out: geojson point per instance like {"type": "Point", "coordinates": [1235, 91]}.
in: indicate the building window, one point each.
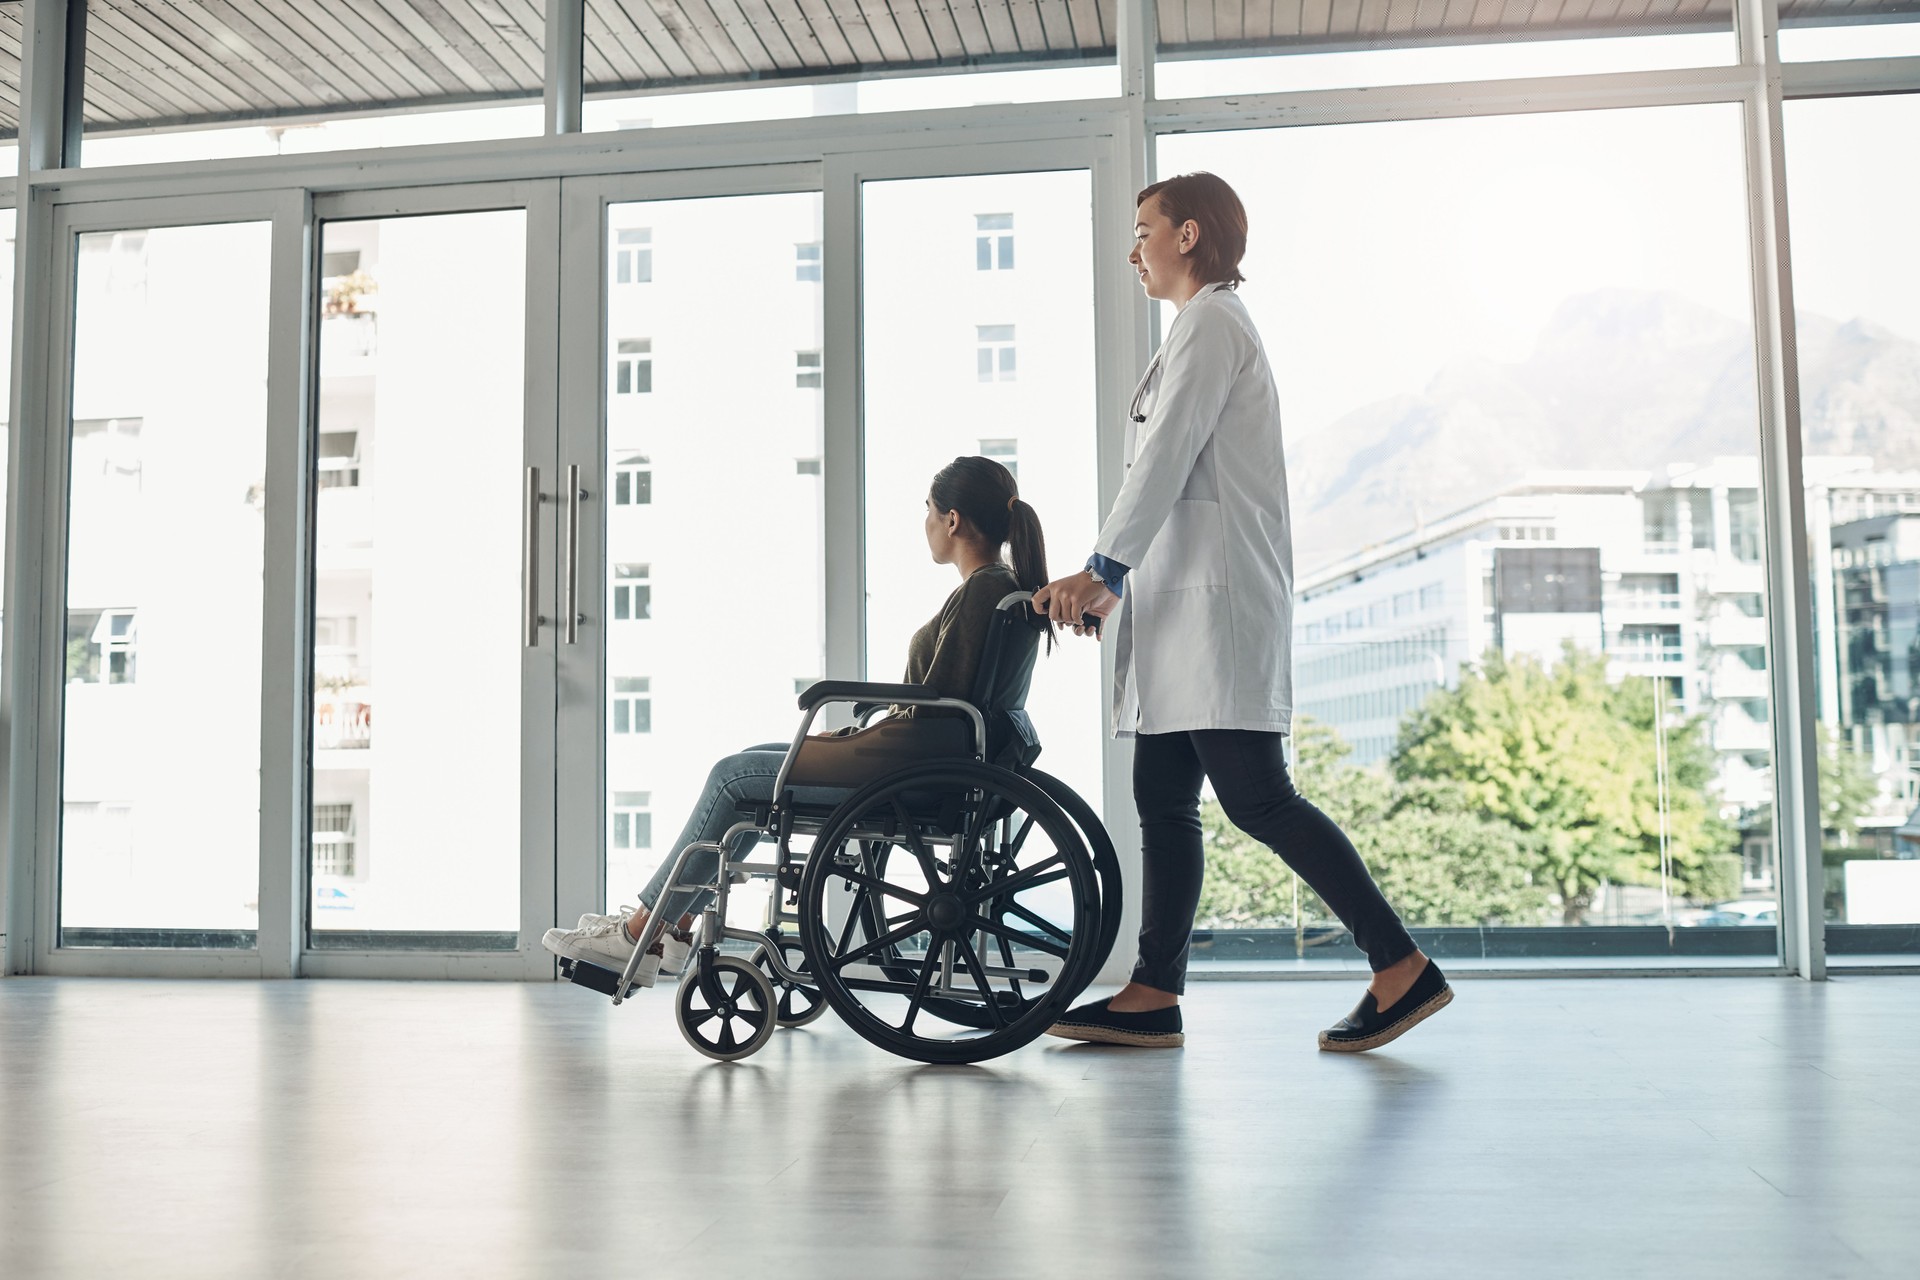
{"type": "Point", "coordinates": [333, 839]}
{"type": "Point", "coordinates": [1004, 452]}
{"type": "Point", "coordinates": [100, 646]}
{"type": "Point", "coordinates": [806, 262]}
{"type": "Point", "coordinates": [632, 704]}
{"type": "Point", "coordinates": [1403, 605]}
{"type": "Point", "coordinates": [633, 481]}
{"type": "Point", "coordinates": [806, 466]}
{"type": "Point", "coordinates": [806, 369]}
{"type": "Point", "coordinates": [633, 256]}
{"type": "Point", "coordinates": [633, 820]}
{"type": "Point", "coordinates": [996, 352]}
{"type": "Point", "coordinates": [1743, 524]}
{"type": "Point", "coordinates": [993, 241]}
{"type": "Point", "coordinates": [633, 367]}
{"type": "Point", "coordinates": [1432, 596]}
{"type": "Point", "coordinates": [632, 592]}
{"type": "Point", "coordinates": [339, 460]}
{"type": "Point", "coordinates": [108, 447]}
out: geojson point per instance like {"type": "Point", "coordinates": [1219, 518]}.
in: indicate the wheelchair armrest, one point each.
{"type": "Point", "coordinates": [862, 691]}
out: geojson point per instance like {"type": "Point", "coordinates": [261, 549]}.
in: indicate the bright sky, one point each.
{"type": "Point", "coordinates": [1381, 252]}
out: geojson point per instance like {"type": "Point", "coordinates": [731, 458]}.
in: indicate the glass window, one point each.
{"type": "Point", "coordinates": [807, 370]}
{"type": "Point", "coordinates": [1578, 281]}
{"type": "Point", "coordinates": [633, 256]}
{"type": "Point", "coordinates": [607, 107]}
{"type": "Point", "coordinates": [633, 481]}
{"type": "Point", "coordinates": [160, 777]}
{"type": "Point", "coordinates": [632, 820]}
{"type": "Point", "coordinates": [993, 241]}
{"type": "Point", "coordinates": [995, 362]}
{"type": "Point", "coordinates": [1199, 71]}
{"type": "Point", "coordinates": [806, 263]}
{"type": "Point", "coordinates": [633, 366]}
{"type": "Point", "coordinates": [726, 423]}
{"type": "Point", "coordinates": [417, 649]}
{"type": "Point", "coordinates": [1889, 31]}
{"type": "Point", "coordinates": [168, 82]}
{"type": "Point", "coordinates": [632, 710]}
{"type": "Point", "coordinates": [922, 408]}
{"type": "Point", "coordinates": [632, 592]}
{"type": "Point", "coordinates": [1004, 452]}
{"type": "Point", "coordinates": [1856, 269]}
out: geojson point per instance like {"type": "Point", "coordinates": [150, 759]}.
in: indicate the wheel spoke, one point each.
{"type": "Point", "coordinates": [1019, 840]}
{"type": "Point", "coordinates": [727, 1042]}
{"type": "Point", "coordinates": [1006, 958]}
{"type": "Point", "coordinates": [701, 1017]}
{"type": "Point", "coordinates": [980, 980]}
{"type": "Point", "coordinates": [1037, 920]}
{"type": "Point", "coordinates": [861, 902]}
{"type": "Point", "coordinates": [888, 939]}
{"type": "Point", "coordinates": [885, 887]}
{"type": "Point", "coordinates": [919, 995]}
{"type": "Point", "coordinates": [756, 1018]}
{"type": "Point", "coordinates": [1027, 878]}
{"type": "Point", "coordinates": [999, 930]}
{"type": "Point", "coordinates": [918, 848]}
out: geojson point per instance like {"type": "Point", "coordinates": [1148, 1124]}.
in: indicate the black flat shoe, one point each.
{"type": "Point", "coordinates": [1158, 1029]}
{"type": "Point", "coordinates": [1369, 1026]}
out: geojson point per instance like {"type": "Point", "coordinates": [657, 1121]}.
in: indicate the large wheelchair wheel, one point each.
{"type": "Point", "coordinates": [1106, 865]}
{"type": "Point", "coordinates": [950, 911]}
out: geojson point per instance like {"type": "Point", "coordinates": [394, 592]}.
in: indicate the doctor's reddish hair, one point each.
{"type": "Point", "coordinates": [1209, 201]}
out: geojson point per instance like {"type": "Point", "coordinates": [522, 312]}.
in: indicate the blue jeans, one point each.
{"type": "Point", "coordinates": [745, 775]}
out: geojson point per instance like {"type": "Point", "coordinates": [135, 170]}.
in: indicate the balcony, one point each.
{"type": "Point", "coordinates": [1737, 680]}
{"type": "Point", "coordinates": [1641, 603]}
{"type": "Point", "coordinates": [343, 722]}
{"type": "Point", "coordinates": [1737, 631]}
{"type": "Point", "coordinates": [348, 344]}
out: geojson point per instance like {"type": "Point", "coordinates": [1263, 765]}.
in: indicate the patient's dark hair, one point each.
{"type": "Point", "coordinates": [985, 493]}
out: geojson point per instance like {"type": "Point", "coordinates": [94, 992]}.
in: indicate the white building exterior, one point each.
{"type": "Point", "coordinates": [1678, 555]}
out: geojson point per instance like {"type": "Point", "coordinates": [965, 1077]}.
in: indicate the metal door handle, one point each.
{"type": "Point", "coordinates": [574, 494]}
{"type": "Point", "coordinates": [530, 558]}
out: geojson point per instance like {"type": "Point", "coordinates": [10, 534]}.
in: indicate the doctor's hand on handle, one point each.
{"type": "Point", "coordinates": [1078, 600]}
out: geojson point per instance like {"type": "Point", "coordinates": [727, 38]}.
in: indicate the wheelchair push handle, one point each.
{"type": "Point", "coordinates": [1037, 616]}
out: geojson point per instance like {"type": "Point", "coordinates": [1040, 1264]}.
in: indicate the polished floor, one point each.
{"type": "Point", "coordinates": [1739, 1127]}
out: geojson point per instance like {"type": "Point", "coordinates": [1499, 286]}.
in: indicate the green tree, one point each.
{"type": "Point", "coordinates": [1848, 788]}
{"type": "Point", "coordinates": [1569, 760]}
{"type": "Point", "coordinates": [1438, 863]}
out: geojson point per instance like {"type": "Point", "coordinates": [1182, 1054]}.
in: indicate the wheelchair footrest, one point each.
{"type": "Point", "coordinates": [593, 977]}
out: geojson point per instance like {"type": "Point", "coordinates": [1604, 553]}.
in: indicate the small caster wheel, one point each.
{"type": "Point", "coordinates": [740, 1022]}
{"type": "Point", "coordinates": [796, 1004]}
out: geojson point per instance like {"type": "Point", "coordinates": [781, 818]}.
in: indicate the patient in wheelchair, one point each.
{"type": "Point", "coordinates": [973, 511]}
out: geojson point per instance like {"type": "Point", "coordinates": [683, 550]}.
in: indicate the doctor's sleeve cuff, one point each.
{"type": "Point", "coordinates": [1112, 572]}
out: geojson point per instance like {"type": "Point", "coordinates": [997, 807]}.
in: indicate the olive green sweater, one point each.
{"type": "Point", "coordinates": [946, 652]}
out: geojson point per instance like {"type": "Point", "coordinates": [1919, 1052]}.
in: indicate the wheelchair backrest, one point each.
{"type": "Point", "coordinates": [1006, 670]}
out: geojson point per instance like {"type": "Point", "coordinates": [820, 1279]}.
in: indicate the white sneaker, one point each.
{"type": "Point", "coordinates": [675, 949]}
{"type": "Point", "coordinates": [604, 945]}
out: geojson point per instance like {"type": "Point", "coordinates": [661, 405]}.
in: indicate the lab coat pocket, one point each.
{"type": "Point", "coordinates": [1190, 550]}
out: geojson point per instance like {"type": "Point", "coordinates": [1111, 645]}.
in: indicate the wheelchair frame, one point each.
{"type": "Point", "coordinates": [781, 817]}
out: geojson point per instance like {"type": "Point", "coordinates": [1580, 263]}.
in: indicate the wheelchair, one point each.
{"type": "Point", "coordinates": [950, 903]}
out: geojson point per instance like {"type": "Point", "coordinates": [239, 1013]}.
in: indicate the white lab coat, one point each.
{"type": "Point", "coordinates": [1203, 633]}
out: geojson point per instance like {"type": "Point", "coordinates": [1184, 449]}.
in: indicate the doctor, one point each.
{"type": "Point", "coordinates": [1195, 565]}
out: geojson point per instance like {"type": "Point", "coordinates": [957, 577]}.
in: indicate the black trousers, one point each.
{"type": "Point", "coordinates": [1249, 775]}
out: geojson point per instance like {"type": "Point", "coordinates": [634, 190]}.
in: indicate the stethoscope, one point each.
{"type": "Point", "coordinates": [1153, 367]}
{"type": "Point", "coordinates": [1140, 392]}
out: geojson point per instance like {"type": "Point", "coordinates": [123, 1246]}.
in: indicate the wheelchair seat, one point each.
{"type": "Point", "coordinates": [999, 693]}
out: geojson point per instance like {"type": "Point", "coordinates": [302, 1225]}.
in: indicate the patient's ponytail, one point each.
{"type": "Point", "coordinates": [984, 492]}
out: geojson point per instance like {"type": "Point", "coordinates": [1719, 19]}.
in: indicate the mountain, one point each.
{"type": "Point", "coordinates": [1620, 379]}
